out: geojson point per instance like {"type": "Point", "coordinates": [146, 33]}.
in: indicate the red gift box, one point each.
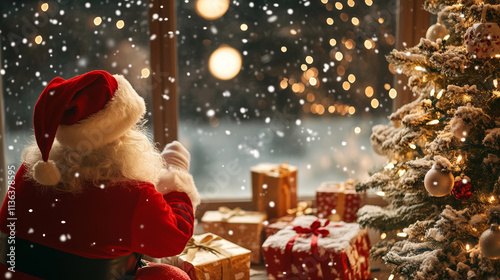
{"type": "Point", "coordinates": [312, 248]}
{"type": "Point", "coordinates": [338, 201]}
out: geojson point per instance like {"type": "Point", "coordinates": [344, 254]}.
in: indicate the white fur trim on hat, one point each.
{"type": "Point", "coordinates": [123, 111]}
{"type": "Point", "coordinates": [46, 173]}
{"type": "Point", "coordinates": [175, 180]}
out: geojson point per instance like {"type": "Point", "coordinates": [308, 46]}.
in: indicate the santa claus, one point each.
{"type": "Point", "coordinates": [93, 194]}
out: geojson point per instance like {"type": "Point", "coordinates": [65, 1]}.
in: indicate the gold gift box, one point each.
{"type": "Point", "coordinates": [241, 227]}
{"type": "Point", "coordinates": [274, 188]}
{"type": "Point", "coordinates": [208, 256]}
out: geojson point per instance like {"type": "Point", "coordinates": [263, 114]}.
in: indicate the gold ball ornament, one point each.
{"type": "Point", "coordinates": [436, 31]}
{"type": "Point", "coordinates": [438, 183]}
{"type": "Point", "coordinates": [482, 40]}
{"type": "Point", "coordinates": [489, 242]}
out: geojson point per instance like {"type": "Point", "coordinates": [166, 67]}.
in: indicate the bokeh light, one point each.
{"type": "Point", "coordinates": [225, 63]}
{"type": "Point", "coordinates": [212, 9]}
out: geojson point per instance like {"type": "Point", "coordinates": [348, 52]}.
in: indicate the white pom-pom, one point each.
{"type": "Point", "coordinates": [46, 173]}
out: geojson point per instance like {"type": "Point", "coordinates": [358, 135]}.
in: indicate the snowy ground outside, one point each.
{"type": "Point", "coordinates": [221, 157]}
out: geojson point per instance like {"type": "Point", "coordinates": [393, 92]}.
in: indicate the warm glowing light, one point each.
{"type": "Point", "coordinates": [352, 110]}
{"type": "Point", "coordinates": [389, 166]}
{"type": "Point", "coordinates": [225, 63]}
{"type": "Point", "coordinates": [380, 193]}
{"type": "Point", "coordinates": [374, 103]}
{"type": "Point", "coordinates": [402, 234]}
{"type": "Point", "coordinates": [339, 6]}
{"type": "Point", "coordinates": [349, 44]}
{"type": "Point", "coordinates": [283, 49]}
{"type": "Point", "coordinates": [333, 42]}
{"type": "Point", "coordinates": [120, 24]}
{"type": "Point", "coordinates": [38, 39]}
{"type": "Point", "coordinates": [369, 2]}
{"type": "Point", "coordinates": [351, 78]}
{"type": "Point", "coordinates": [412, 146]}
{"type": "Point", "coordinates": [383, 235]}
{"type": "Point", "coordinates": [467, 247]}
{"type": "Point", "coordinates": [346, 85]}
{"type": "Point", "coordinates": [393, 93]}
{"type": "Point", "coordinates": [419, 68]}
{"type": "Point", "coordinates": [357, 129]}
{"type": "Point", "coordinates": [355, 21]}
{"type": "Point", "coordinates": [45, 7]}
{"type": "Point", "coordinates": [350, 3]}
{"type": "Point", "coordinates": [387, 86]}
{"type": "Point", "coordinates": [401, 172]}
{"type": "Point", "coordinates": [369, 91]}
{"type": "Point", "coordinates": [145, 72]}
{"type": "Point", "coordinates": [329, 21]}
{"type": "Point", "coordinates": [97, 21]}
{"type": "Point", "coordinates": [391, 277]}
{"type": "Point", "coordinates": [380, 20]}
{"type": "Point", "coordinates": [243, 27]}
{"type": "Point", "coordinates": [433, 122]}
{"type": "Point", "coordinates": [284, 83]}
{"type": "Point", "coordinates": [324, 1]}
{"type": "Point", "coordinates": [440, 93]}
{"type": "Point", "coordinates": [339, 56]}
{"type": "Point", "coordinates": [368, 44]}
{"type": "Point", "coordinates": [446, 37]}
{"type": "Point", "coordinates": [459, 158]}
{"type": "Point", "coordinates": [212, 9]}
{"type": "Point", "coordinates": [432, 92]}
{"type": "Point", "coordinates": [491, 199]}
{"type": "Point", "coordinates": [495, 83]}
{"type": "Point", "coordinates": [331, 109]}
{"type": "Point", "coordinates": [303, 67]}
{"type": "Point", "coordinates": [293, 31]}
{"type": "Point", "coordinates": [309, 59]}
{"type": "Point", "coordinates": [313, 81]}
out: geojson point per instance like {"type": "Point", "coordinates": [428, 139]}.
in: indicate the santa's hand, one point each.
{"type": "Point", "coordinates": [176, 156]}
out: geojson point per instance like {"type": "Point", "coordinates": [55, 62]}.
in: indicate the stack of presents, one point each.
{"type": "Point", "coordinates": [293, 239]}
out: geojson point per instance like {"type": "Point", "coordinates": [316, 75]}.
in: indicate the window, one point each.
{"type": "Point", "coordinates": [312, 83]}
{"type": "Point", "coordinates": [313, 78]}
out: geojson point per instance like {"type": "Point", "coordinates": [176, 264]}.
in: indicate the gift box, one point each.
{"type": "Point", "coordinates": [338, 201]}
{"type": "Point", "coordinates": [312, 248]}
{"type": "Point", "coordinates": [274, 188]}
{"type": "Point", "coordinates": [208, 256]}
{"type": "Point", "coordinates": [303, 208]}
{"type": "Point", "coordinates": [241, 227]}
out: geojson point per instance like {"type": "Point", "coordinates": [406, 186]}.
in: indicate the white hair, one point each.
{"type": "Point", "coordinates": [132, 157]}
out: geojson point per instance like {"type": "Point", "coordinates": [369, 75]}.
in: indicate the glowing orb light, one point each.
{"type": "Point", "coordinates": [212, 9]}
{"type": "Point", "coordinates": [225, 63]}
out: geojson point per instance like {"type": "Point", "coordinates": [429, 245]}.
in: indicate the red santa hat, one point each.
{"type": "Point", "coordinates": [84, 113]}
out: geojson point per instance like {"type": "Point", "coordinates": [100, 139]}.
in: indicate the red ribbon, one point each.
{"type": "Point", "coordinates": [314, 230]}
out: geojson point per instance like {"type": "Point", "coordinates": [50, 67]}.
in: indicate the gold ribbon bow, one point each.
{"type": "Point", "coordinates": [303, 208]}
{"type": "Point", "coordinates": [206, 244]}
{"type": "Point", "coordinates": [228, 213]}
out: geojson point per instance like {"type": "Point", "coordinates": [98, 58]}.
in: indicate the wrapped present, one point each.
{"type": "Point", "coordinates": [241, 227]}
{"type": "Point", "coordinates": [303, 208]}
{"type": "Point", "coordinates": [274, 188]}
{"type": "Point", "coordinates": [312, 248]}
{"type": "Point", "coordinates": [338, 201]}
{"type": "Point", "coordinates": [208, 256]}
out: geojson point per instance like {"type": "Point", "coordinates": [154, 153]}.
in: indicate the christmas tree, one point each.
{"type": "Point", "coordinates": [442, 181]}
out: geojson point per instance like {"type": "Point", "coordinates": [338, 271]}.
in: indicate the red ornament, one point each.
{"type": "Point", "coordinates": [462, 189]}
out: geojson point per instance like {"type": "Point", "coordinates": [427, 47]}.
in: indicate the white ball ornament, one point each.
{"type": "Point", "coordinates": [489, 242]}
{"type": "Point", "coordinates": [436, 31]}
{"type": "Point", "coordinates": [482, 40]}
{"type": "Point", "coordinates": [437, 182]}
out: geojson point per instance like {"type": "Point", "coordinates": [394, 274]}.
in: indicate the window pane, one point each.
{"type": "Point", "coordinates": [43, 40]}
{"type": "Point", "coordinates": [313, 81]}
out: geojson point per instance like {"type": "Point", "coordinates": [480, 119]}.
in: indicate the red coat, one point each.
{"type": "Point", "coordinates": [101, 222]}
